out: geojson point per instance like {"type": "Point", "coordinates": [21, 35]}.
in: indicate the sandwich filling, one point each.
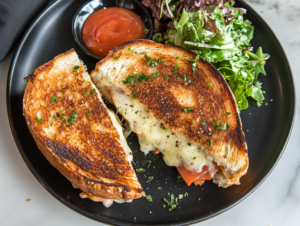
{"type": "Point", "coordinates": [189, 158]}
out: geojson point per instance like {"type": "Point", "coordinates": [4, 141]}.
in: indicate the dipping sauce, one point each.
{"type": "Point", "coordinates": [107, 28]}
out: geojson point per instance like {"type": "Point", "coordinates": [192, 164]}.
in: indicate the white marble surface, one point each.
{"type": "Point", "coordinates": [275, 202]}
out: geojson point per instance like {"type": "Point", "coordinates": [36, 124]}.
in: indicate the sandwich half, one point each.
{"type": "Point", "coordinates": [76, 132]}
{"type": "Point", "coordinates": [178, 105]}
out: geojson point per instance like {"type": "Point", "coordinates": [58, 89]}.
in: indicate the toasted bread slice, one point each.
{"type": "Point", "coordinates": [75, 131]}
{"type": "Point", "coordinates": [184, 109]}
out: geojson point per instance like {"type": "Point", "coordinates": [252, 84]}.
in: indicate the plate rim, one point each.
{"type": "Point", "coordinates": [117, 222]}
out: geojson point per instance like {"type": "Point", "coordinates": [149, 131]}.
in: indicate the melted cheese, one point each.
{"type": "Point", "coordinates": [152, 133]}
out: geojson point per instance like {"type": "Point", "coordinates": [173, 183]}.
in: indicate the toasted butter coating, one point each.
{"type": "Point", "coordinates": [76, 132]}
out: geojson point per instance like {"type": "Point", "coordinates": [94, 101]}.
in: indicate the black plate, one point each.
{"type": "Point", "coordinates": [269, 129]}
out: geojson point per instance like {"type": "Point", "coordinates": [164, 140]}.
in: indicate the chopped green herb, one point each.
{"type": "Point", "coordinates": [164, 206]}
{"type": "Point", "coordinates": [173, 203]}
{"type": "Point", "coordinates": [228, 113]}
{"type": "Point", "coordinates": [150, 179]}
{"type": "Point", "coordinates": [209, 142]}
{"type": "Point", "coordinates": [119, 170]}
{"type": "Point", "coordinates": [186, 194]}
{"type": "Point", "coordinates": [130, 80]}
{"type": "Point", "coordinates": [194, 63]}
{"type": "Point", "coordinates": [216, 123]}
{"type": "Point", "coordinates": [223, 127]}
{"type": "Point", "coordinates": [39, 119]}
{"type": "Point", "coordinates": [180, 196]}
{"type": "Point", "coordinates": [177, 58]}
{"type": "Point", "coordinates": [147, 57]}
{"type": "Point", "coordinates": [75, 68]}
{"type": "Point", "coordinates": [159, 188]}
{"type": "Point", "coordinates": [187, 110]}
{"type": "Point", "coordinates": [194, 158]}
{"type": "Point", "coordinates": [136, 112]}
{"type": "Point", "coordinates": [129, 49]}
{"type": "Point", "coordinates": [186, 81]}
{"type": "Point", "coordinates": [160, 60]}
{"type": "Point", "coordinates": [175, 68]}
{"type": "Point", "coordinates": [142, 77]}
{"type": "Point", "coordinates": [73, 117]}
{"type": "Point", "coordinates": [149, 198]}
{"type": "Point", "coordinates": [134, 95]}
{"type": "Point", "coordinates": [116, 58]}
{"type": "Point", "coordinates": [209, 84]}
{"type": "Point", "coordinates": [266, 103]}
{"type": "Point", "coordinates": [149, 161]}
{"type": "Point", "coordinates": [146, 31]}
{"type": "Point", "coordinates": [88, 114]}
{"type": "Point", "coordinates": [152, 63]}
{"type": "Point", "coordinates": [185, 56]}
{"type": "Point", "coordinates": [179, 77]}
{"type": "Point", "coordinates": [85, 81]}
{"type": "Point", "coordinates": [214, 136]}
{"type": "Point", "coordinates": [179, 178]}
{"type": "Point", "coordinates": [90, 93]}
{"type": "Point", "coordinates": [53, 99]}
{"type": "Point", "coordinates": [140, 170]}
{"type": "Point", "coordinates": [166, 129]}
{"type": "Point", "coordinates": [155, 75]}
{"type": "Point", "coordinates": [53, 117]}
{"type": "Point", "coordinates": [165, 77]}
{"type": "Point", "coordinates": [204, 123]}
{"type": "Point", "coordinates": [61, 116]}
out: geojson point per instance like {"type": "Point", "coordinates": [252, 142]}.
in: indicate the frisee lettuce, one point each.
{"type": "Point", "coordinates": [218, 33]}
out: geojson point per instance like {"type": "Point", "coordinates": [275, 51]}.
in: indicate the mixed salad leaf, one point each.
{"type": "Point", "coordinates": [216, 31]}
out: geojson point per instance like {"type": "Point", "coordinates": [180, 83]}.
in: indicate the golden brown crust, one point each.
{"type": "Point", "coordinates": [166, 96]}
{"type": "Point", "coordinates": [86, 149]}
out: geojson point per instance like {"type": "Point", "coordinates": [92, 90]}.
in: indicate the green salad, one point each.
{"type": "Point", "coordinates": [218, 33]}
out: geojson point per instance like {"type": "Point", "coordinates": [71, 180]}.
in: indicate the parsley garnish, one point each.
{"type": "Point", "coordinates": [266, 103]}
{"type": "Point", "coordinates": [186, 194]}
{"type": "Point", "coordinates": [187, 110]}
{"type": "Point", "coordinates": [209, 142]}
{"type": "Point", "coordinates": [129, 49]}
{"type": "Point", "coordinates": [150, 179]}
{"type": "Point", "coordinates": [204, 123]}
{"type": "Point", "coordinates": [53, 117]}
{"type": "Point", "coordinates": [140, 170]}
{"type": "Point", "coordinates": [146, 31]}
{"type": "Point", "coordinates": [177, 58]}
{"type": "Point", "coordinates": [179, 178]}
{"type": "Point", "coordinates": [194, 158]}
{"type": "Point", "coordinates": [116, 58]}
{"type": "Point", "coordinates": [194, 63]}
{"type": "Point", "coordinates": [136, 112]}
{"type": "Point", "coordinates": [155, 75]}
{"type": "Point", "coordinates": [223, 127]}
{"type": "Point", "coordinates": [39, 119]}
{"type": "Point", "coordinates": [88, 114]}
{"type": "Point", "coordinates": [147, 57]}
{"type": "Point", "coordinates": [149, 161]}
{"type": "Point", "coordinates": [216, 123]}
{"type": "Point", "coordinates": [173, 203]}
{"type": "Point", "coordinates": [175, 68]}
{"type": "Point", "coordinates": [179, 77]}
{"type": "Point", "coordinates": [134, 95]}
{"type": "Point", "coordinates": [73, 117]}
{"type": "Point", "coordinates": [53, 99]}
{"type": "Point", "coordinates": [166, 129]}
{"type": "Point", "coordinates": [209, 84]}
{"type": "Point", "coordinates": [186, 81]}
{"type": "Point", "coordinates": [228, 113]}
{"type": "Point", "coordinates": [91, 92]}
{"type": "Point", "coordinates": [131, 79]}
{"type": "Point", "coordinates": [160, 60]}
{"type": "Point", "coordinates": [152, 63]}
{"type": "Point", "coordinates": [76, 68]}
{"type": "Point", "coordinates": [165, 77]}
{"type": "Point", "coordinates": [159, 188]}
{"type": "Point", "coordinates": [119, 170]}
{"type": "Point", "coordinates": [85, 81]}
{"type": "Point", "coordinates": [149, 198]}
{"type": "Point", "coordinates": [61, 116]}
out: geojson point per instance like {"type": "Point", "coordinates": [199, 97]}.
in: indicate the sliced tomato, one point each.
{"type": "Point", "coordinates": [190, 176]}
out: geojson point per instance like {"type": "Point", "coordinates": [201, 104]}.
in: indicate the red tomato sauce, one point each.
{"type": "Point", "coordinates": [107, 28]}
